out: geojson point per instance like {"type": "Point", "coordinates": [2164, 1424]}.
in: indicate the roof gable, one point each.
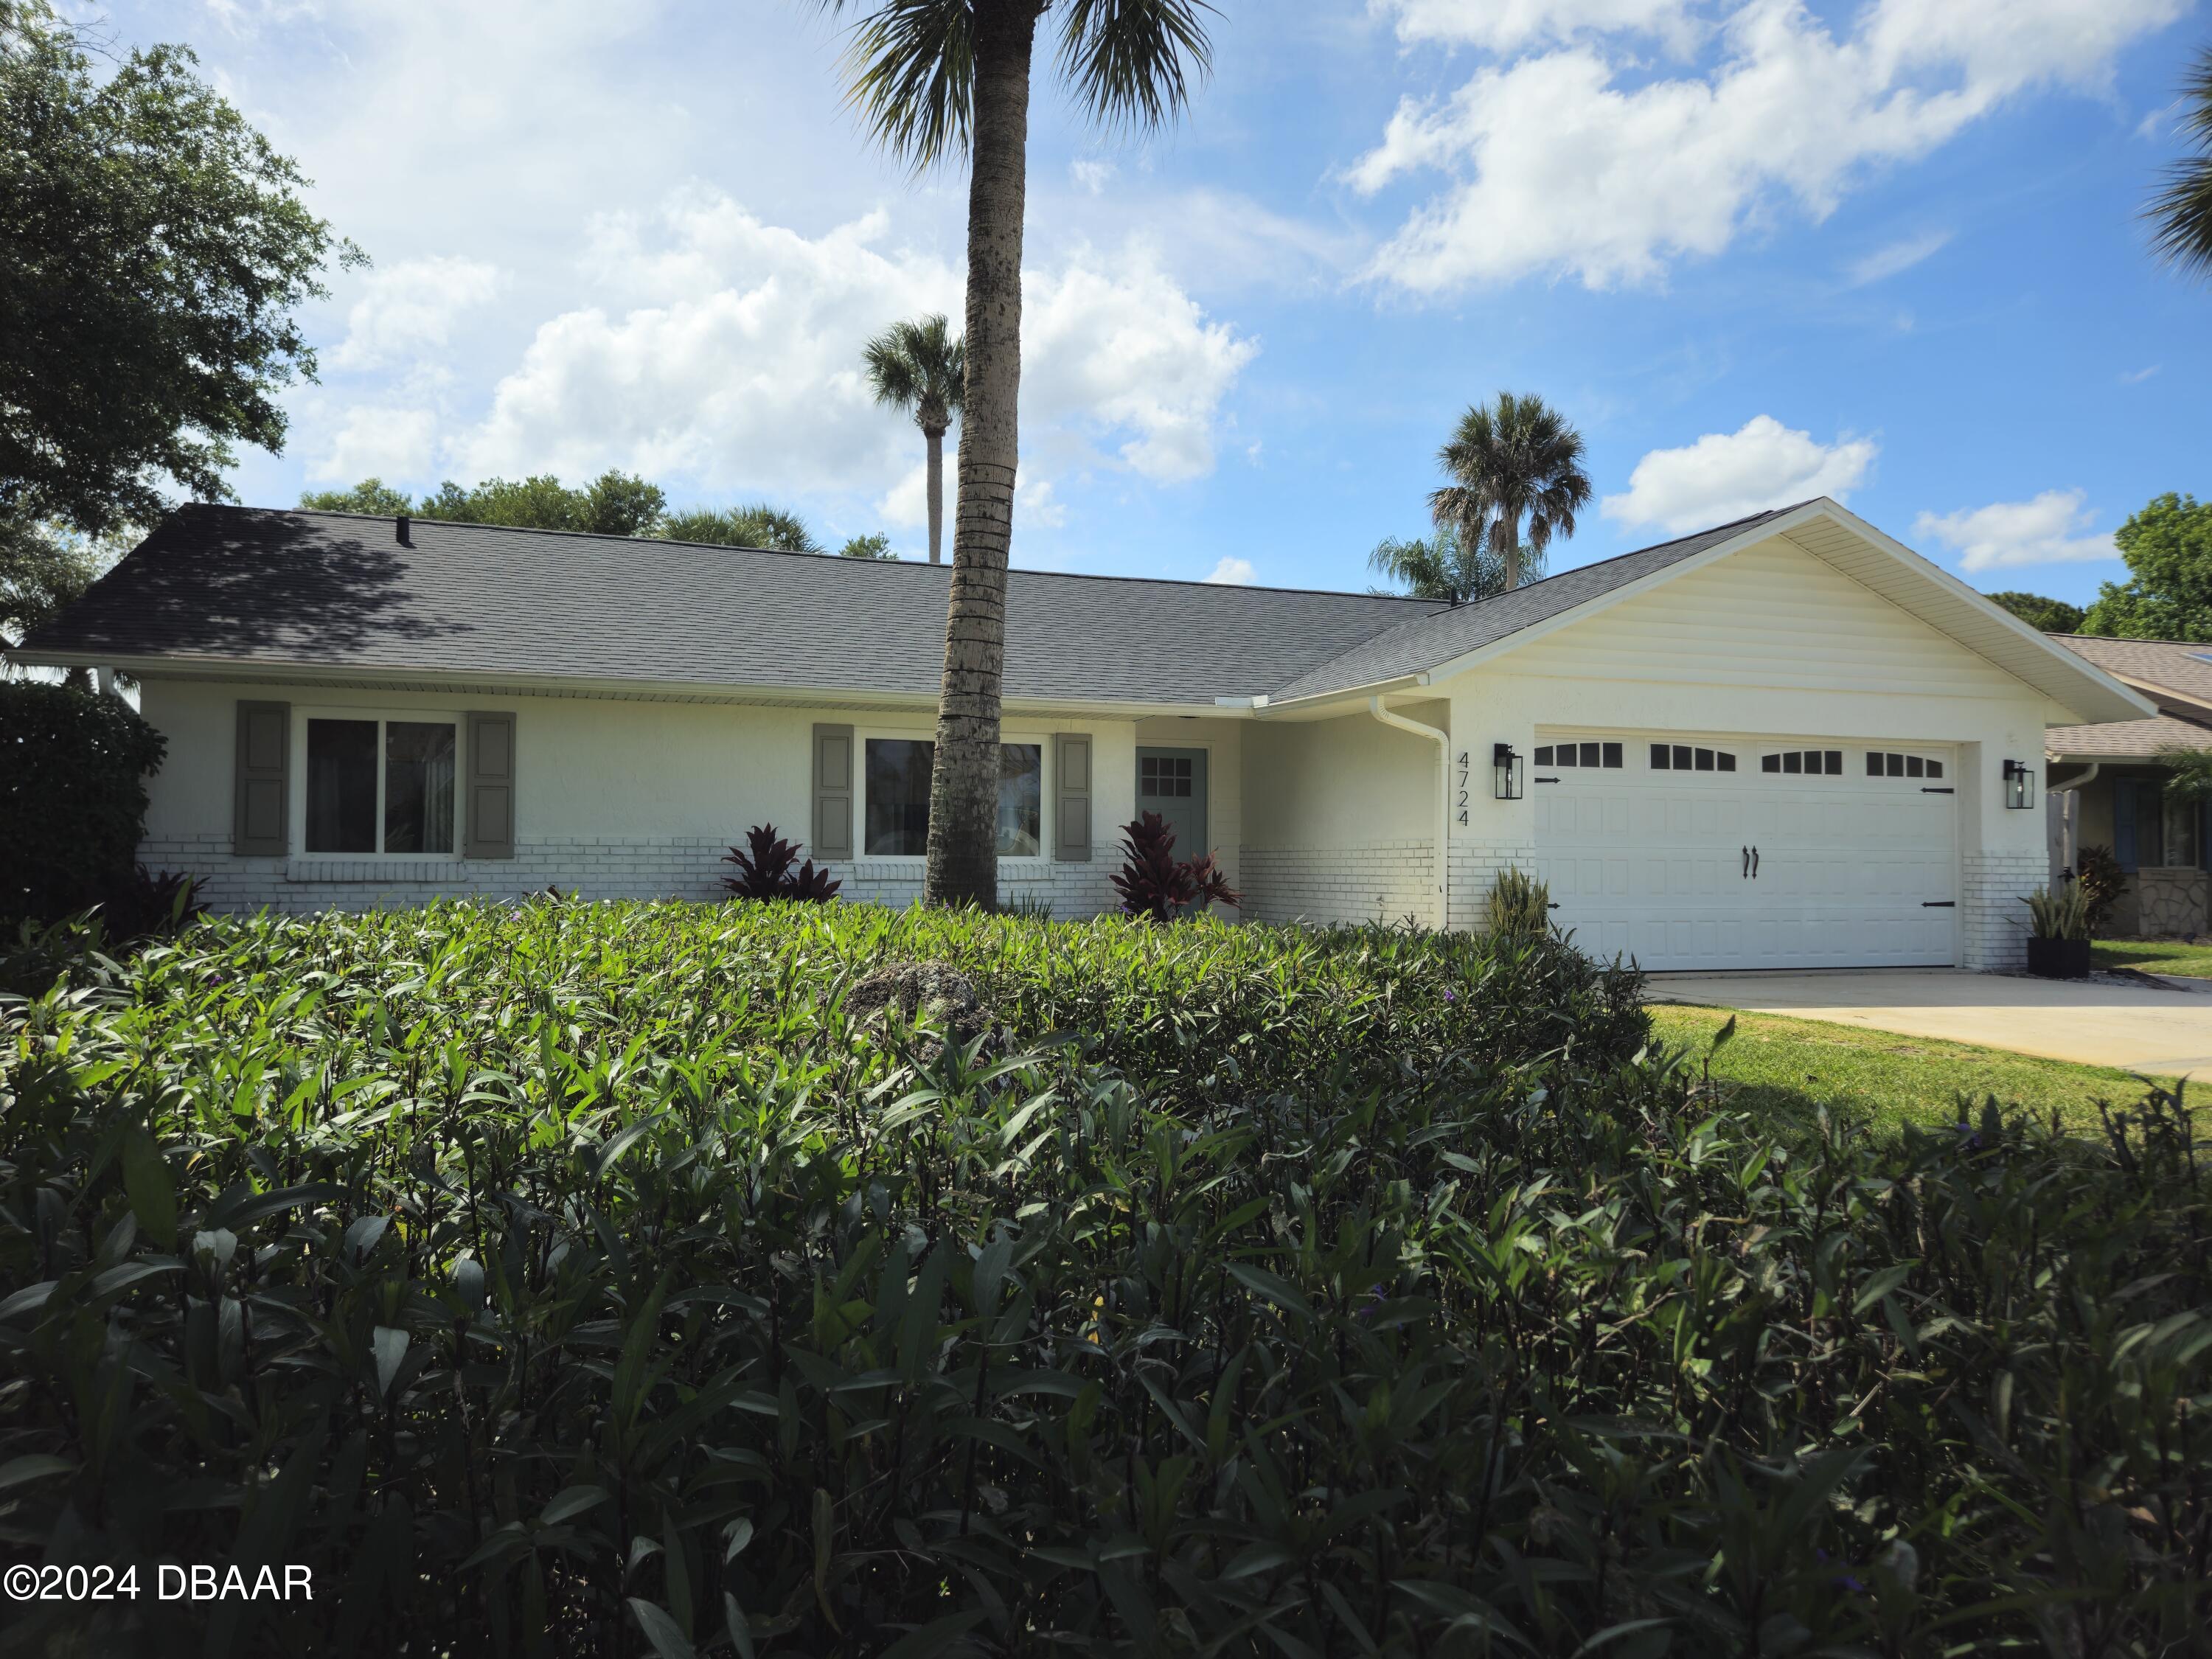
{"type": "Point", "coordinates": [1766, 616]}
{"type": "Point", "coordinates": [1821, 528]}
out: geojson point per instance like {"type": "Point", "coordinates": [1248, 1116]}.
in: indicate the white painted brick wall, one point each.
{"type": "Point", "coordinates": [1993, 922]}
{"type": "Point", "coordinates": [662, 866]}
{"type": "Point", "coordinates": [1386, 882]}
{"type": "Point", "coordinates": [1474, 867]}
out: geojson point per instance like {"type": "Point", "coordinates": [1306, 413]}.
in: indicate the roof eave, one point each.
{"type": "Point", "coordinates": [195, 666]}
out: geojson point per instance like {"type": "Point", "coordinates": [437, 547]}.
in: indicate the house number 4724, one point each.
{"type": "Point", "coordinates": [1463, 785]}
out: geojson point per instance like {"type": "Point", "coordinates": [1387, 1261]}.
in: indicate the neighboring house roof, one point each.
{"type": "Point", "coordinates": [275, 593]}
{"type": "Point", "coordinates": [2180, 668]}
{"type": "Point", "coordinates": [2175, 674]}
{"type": "Point", "coordinates": [239, 586]}
{"type": "Point", "coordinates": [1414, 647]}
{"type": "Point", "coordinates": [2125, 740]}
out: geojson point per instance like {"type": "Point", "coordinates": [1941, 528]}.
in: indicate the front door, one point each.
{"type": "Point", "coordinates": [1172, 782]}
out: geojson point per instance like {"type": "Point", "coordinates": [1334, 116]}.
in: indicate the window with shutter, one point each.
{"type": "Point", "coordinates": [1071, 842]}
{"type": "Point", "coordinates": [491, 787]}
{"type": "Point", "coordinates": [833, 793]}
{"type": "Point", "coordinates": [261, 808]}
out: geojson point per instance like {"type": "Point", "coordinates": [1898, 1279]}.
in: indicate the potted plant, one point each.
{"type": "Point", "coordinates": [2058, 933]}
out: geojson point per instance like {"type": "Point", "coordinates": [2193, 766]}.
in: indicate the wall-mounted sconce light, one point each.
{"type": "Point", "coordinates": [1505, 768]}
{"type": "Point", "coordinates": [2019, 785]}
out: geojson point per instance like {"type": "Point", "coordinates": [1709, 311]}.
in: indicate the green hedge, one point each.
{"type": "Point", "coordinates": [73, 766]}
{"type": "Point", "coordinates": [580, 1280]}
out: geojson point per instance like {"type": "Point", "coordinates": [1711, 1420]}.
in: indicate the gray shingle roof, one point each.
{"type": "Point", "coordinates": [337, 591]}
{"type": "Point", "coordinates": [2181, 667]}
{"type": "Point", "coordinates": [1423, 643]}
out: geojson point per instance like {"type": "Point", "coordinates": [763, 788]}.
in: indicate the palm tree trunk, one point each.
{"type": "Point", "coordinates": [936, 441]}
{"type": "Point", "coordinates": [963, 787]}
{"type": "Point", "coordinates": [1508, 549]}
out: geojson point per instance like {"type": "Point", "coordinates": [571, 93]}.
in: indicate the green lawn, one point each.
{"type": "Point", "coordinates": [1790, 1067]}
{"type": "Point", "coordinates": [2153, 956]}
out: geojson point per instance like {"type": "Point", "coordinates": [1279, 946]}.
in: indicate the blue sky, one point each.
{"type": "Point", "coordinates": [1885, 250]}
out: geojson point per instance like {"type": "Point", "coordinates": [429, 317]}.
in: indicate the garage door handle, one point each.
{"type": "Point", "coordinates": [1935, 792]}
{"type": "Point", "coordinates": [1754, 864]}
{"type": "Point", "coordinates": [1746, 864]}
{"type": "Point", "coordinates": [1939, 904]}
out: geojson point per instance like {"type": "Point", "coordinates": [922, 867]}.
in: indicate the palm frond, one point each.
{"type": "Point", "coordinates": [1130, 63]}
{"type": "Point", "coordinates": [2180, 214]}
{"type": "Point", "coordinates": [919, 366]}
{"type": "Point", "coordinates": [1510, 461]}
{"type": "Point", "coordinates": [910, 74]}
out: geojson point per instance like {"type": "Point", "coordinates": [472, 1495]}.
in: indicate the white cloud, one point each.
{"type": "Point", "coordinates": [1509, 25]}
{"type": "Point", "coordinates": [1093, 176]}
{"type": "Point", "coordinates": [1900, 256]}
{"type": "Point", "coordinates": [1233, 573]}
{"type": "Point", "coordinates": [728, 356]}
{"type": "Point", "coordinates": [1570, 162]}
{"type": "Point", "coordinates": [1117, 345]}
{"type": "Point", "coordinates": [2136, 377]}
{"type": "Point", "coordinates": [1035, 506]}
{"type": "Point", "coordinates": [373, 442]}
{"type": "Point", "coordinates": [2051, 529]}
{"type": "Point", "coordinates": [409, 310]}
{"type": "Point", "coordinates": [1729, 475]}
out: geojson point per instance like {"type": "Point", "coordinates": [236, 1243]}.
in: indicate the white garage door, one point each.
{"type": "Point", "coordinates": [1747, 852]}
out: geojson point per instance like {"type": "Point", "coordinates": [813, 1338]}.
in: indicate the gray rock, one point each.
{"type": "Point", "coordinates": [933, 990]}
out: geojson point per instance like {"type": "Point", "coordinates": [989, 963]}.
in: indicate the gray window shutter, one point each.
{"type": "Point", "coordinates": [1071, 842]}
{"type": "Point", "coordinates": [260, 825]}
{"type": "Point", "coordinates": [490, 830]}
{"type": "Point", "coordinates": [833, 792]}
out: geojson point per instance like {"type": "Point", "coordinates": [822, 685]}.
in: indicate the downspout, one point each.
{"type": "Point", "coordinates": [1442, 741]}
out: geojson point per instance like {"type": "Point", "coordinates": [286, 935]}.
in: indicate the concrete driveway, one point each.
{"type": "Point", "coordinates": [2153, 1029]}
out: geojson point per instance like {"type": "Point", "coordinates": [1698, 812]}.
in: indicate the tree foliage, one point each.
{"type": "Point", "coordinates": [154, 251]}
{"type": "Point", "coordinates": [371, 496]}
{"type": "Point", "coordinates": [874, 546]}
{"type": "Point", "coordinates": [615, 503]}
{"type": "Point", "coordinates": [2044, 615]}
{"type": "Point", "coordinates": [756, 526]}
{"type": "Point", "coordinates": [1517, 481]}
{"type": "Point", "coordinates": [2168, 592]}
{"type": "Point", "coordinates": [918, 368]}
{"type": "Point", "coordinates": [2181, 215]}
{"type": "Point", "coordinates": [73, 766]}
{"type": "Point", "coordinates": [1447, 566]}
{"type": "Point", "coordinates": [44, 564]}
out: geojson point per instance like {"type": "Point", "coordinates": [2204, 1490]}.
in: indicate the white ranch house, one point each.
{"type": "Point", "coordinates": [1786, 741]}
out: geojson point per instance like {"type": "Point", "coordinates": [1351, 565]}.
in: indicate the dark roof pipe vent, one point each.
{"type": "Point", "coordinates": [402, 528]}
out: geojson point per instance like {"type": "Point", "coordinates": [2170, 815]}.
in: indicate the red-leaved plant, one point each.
{"type": "Point", "coordinates": [765, 870]}
{"type": "Point", "coordinates": [1154, 882]}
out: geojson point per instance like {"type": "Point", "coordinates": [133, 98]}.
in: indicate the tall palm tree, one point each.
{"type": "Point", "coordinates": [918, 367]}
{"type": "Point", "coordinates": [2181, 213]}
{"type": "Point", "coordinates": [1447, 566]}
{"type": "Point", "coordinates": [934, 78]}
{"type": "Point", "coordinates": [1517, 459]}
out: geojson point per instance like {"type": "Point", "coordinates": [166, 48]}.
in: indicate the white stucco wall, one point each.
{"type": "Point", "coordinates": [613, 798]}
{"type": "Point", "coordinates": [1774, 643]}
{"type": "Point", "coordinates": [1340, 819]}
